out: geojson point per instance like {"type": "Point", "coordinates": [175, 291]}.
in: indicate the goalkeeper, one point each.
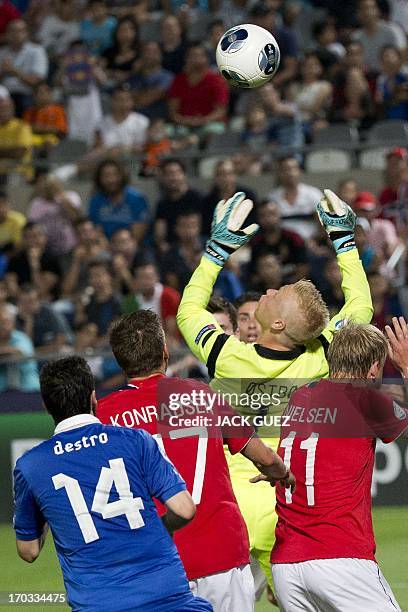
{"type": "Point", "coordinates": [295, 333]}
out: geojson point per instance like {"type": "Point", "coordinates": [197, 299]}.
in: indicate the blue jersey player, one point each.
{"type": "Point", "coordinates": [93, 485]}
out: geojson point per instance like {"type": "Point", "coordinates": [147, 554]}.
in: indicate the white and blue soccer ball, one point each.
{"type": "Point", "coordinates": [247, 56]}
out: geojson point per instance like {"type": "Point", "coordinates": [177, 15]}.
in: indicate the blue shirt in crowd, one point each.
{"type": "Point", "coordinates": [160, 79]}
{"type": "Point", "coordinates": [20, 375]}
{"type": "Point", "coordinates": [98, 37]}
{"type": "Point", "coordinates": [395, 96]}
{"type": "Point", "coordinates": [133, 208]}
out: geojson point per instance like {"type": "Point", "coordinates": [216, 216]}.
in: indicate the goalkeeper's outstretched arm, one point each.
{"type": "Point", "coordinates": [358, 305]}
{"type": "Point", "coordinates": [199, 327]}
{"type": "Point", "coordinates": [339, 221]}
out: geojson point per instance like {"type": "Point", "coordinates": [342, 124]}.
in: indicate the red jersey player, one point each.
{"type": "Point", "coordinates": [215, 548]}
{"type": "Point", "coordinates": [323, 558]}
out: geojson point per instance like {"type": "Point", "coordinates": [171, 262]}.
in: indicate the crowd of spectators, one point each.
{"type": "Point", "coordinates": [136, 83]}
{"type": "Point", "coordinates": [62, 62]}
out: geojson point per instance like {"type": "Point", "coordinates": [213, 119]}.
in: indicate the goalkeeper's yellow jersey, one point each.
{"type": "Point", "coordinates": [249, 368]}
{"type": "Point", "coordinates": [228, 357]}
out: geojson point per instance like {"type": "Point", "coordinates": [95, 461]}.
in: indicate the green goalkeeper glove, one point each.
{"type": "Point", "coordinates": [227, 233]}
{"type": "Point", "coordinates": [339, 221]}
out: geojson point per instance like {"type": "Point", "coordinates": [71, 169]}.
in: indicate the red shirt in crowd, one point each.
{"type": "Point", "coordinates": [169, 303]}
{"type": "Point", "coordinates": [8, 12]}
{"type": "Point", "coordinates": [200, 99]}
{"type": "Point", "coordinates": [394, 203]}
{"type": "Point", "coordinates": [217, 539]}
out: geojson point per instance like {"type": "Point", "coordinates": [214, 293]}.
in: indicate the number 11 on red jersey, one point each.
{"type": "Point", "coordinates": [309, 445]}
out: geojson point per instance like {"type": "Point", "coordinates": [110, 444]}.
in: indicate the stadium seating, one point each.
{"type": "Point", "coordinates": [373, 158]}
{"type": "Point", "coordinates": [224, 143]}
{"type": "Point", "coordinates": [67, 151]}
{"type": "Point", "coordinates": [338, 134]}
{"type": "Point", "coordinates": [328, 160]}
{"type": "Point", "coordinates": [391, 132]}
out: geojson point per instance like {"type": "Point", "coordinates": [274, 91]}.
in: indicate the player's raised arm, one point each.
{"type": "Point", "coordinates": [397, 336]}
{"type": "Point", "coordinates": [339, 220]}
{"type": "Point", "coordinates": [199, 327]}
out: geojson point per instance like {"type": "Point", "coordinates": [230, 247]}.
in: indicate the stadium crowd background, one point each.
{"type": "Point", "coordinates": [118, 137]}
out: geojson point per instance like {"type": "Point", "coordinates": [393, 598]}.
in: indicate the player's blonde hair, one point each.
{"type": "Point", "coordinates": [314, 315]}
{"type": "Point", "coordinates": [354, 349]}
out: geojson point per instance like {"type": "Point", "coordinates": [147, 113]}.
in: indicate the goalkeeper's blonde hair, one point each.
{"type": "Point", "coordinates": [314, 313]}
{"type": "Point", "coordinates": [354, 349]}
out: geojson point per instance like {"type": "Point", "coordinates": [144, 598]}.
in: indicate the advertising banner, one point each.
{"type": "Point", "coordinates": [21, 431]}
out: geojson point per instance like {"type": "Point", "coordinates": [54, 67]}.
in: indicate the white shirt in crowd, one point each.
{"type": "Point", "coordinates": [154, 303]}
{"type": "Point", "coordinates": [373, 44]}
{"type": "Point", "coordinates": [56, 35]}
{"type": "Point", "coordinates": [30, 59]}
{"type": "Point", "coordinates": [399, 13]}
{"type": "Point", "coordinates": [84, 115]}
{"type": "Point", "coordinates": [337, 48]}
{"type": "Point", "coordinates": [302, 210]}
{"type": "Point", "coordinates": [307, 96]}
{"type": "Point", "coordinates": [128, 133]}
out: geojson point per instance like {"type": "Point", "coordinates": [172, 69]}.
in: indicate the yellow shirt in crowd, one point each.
{"type": "Point", "coordinates": [16, 133]}
{"type": "Point", "coordinates": [11, 228]}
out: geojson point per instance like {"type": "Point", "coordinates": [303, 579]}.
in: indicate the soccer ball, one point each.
{"type": "Point", "coordinates": [247, 56]}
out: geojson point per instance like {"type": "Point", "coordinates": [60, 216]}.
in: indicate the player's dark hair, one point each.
{"type": "Point", "coordinates": [248, 296]}
{"type": "Point", "coordinates": [220, 304]}
{"type": "Point", "coordinates": [137, 341]}
{"type": "Point", "coordinates": [66, 387]}
{"type": "Point", "coordinates": [3, 195]}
